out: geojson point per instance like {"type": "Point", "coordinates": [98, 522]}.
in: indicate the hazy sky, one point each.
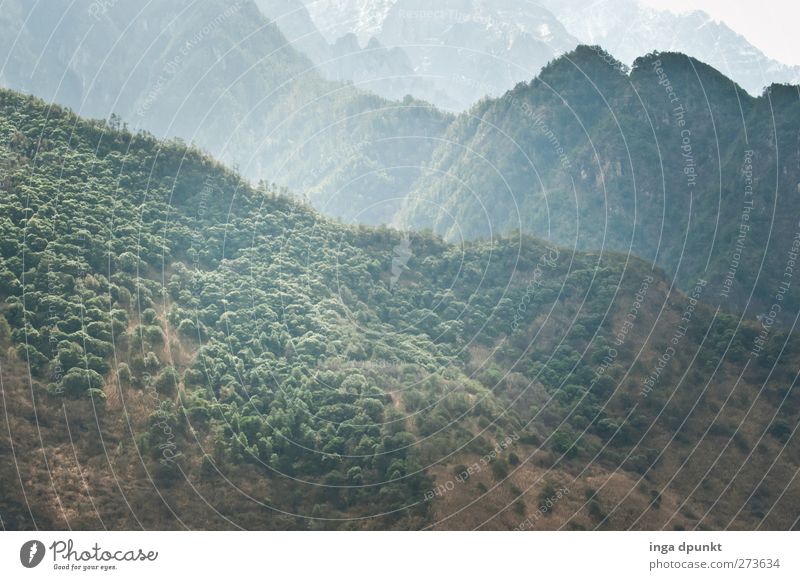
{"type": "Point", "coordinates": [770, 25]}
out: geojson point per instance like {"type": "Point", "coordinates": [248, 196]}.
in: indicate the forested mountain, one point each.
{"type": "Point", "coordinates": [179, 349]}
{"type": "Point", "coordinates": [222, 76]}
{"type": "Point", "coordinates": [670, 161]}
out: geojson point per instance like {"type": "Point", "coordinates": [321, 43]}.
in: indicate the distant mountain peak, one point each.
{"type": "Point", "coordinates": [521, 37]}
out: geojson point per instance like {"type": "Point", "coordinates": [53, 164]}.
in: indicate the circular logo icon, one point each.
{"type": "Point", "coordinates": [31, 553]}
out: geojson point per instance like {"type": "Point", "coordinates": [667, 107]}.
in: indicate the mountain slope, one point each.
{"type": "Point", "coordinates": [671, 161]}
{"type": "Point", "coordinates": [181, 350]}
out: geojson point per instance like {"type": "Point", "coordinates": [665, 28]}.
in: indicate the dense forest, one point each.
{"type": "Point", "coordinates": [182, 349]}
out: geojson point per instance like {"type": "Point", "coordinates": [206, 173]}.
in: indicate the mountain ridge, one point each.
{"type": "Point", "coordinates": [589, 128]}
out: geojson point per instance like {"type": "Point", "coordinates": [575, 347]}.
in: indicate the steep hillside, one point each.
{"type": "Point", "coordinates": [182, 350]}
{"type": "Point", "coordinates": [670, 161]}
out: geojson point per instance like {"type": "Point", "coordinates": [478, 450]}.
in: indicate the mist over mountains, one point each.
{"type": "Point", "coordinates": [471, 48]}
{"type": "Point", "coordinates": [628, 29]}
